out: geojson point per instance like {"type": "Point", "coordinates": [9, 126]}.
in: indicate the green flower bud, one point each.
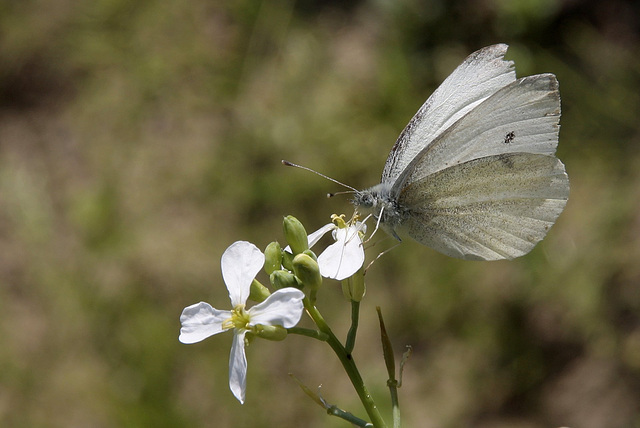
{"type": "Point", "coordinates": [287, 260]}
{"type": "Point", "coordinates": [283, 279]}
{"type": "Point", "coordinates": [258, 292]}
{"type": "Point", "coordinates": [295, 234]}
{"type": "Point", "coordinates": [272, 257]}
{"type": "Point", "coordinates": [307, 271]}
{"type": "Point", "coordinates": [353, 287]}
{"type": "Point", "coordinates": [311, 254]}
{"type": "Point", "coordinates": [270, 332]}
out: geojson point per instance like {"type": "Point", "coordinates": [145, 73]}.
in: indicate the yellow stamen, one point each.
{"type": "Point", "coordinates": [338, 220]}
{"type": "Point", "coordinates": [239, 319]}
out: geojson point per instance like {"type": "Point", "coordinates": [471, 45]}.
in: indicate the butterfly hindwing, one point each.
{"type": "Point", "coordinates": [496, 207]}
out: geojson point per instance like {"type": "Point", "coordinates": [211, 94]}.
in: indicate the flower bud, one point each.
{"type": "Point", "coordinates": [311, 254]}
{"type": "Point", "coordinates": [287, 260]}
{"type": "Point", "coordinates": [353, 287]}
{"type": "Point", "coordinates": [307, 271]}
{"type": "Point", "coordinates": [258, 292]}
{"type": "Point", "coordinates": [295, 234]}
{"type": "Point", "coordinates": [283, 279]}
{"type": "Point", "coordinates": [270, 332]}
{"type": "Point", "coordinates": [272, 257]}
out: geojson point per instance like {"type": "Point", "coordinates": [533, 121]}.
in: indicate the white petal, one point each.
{"type": "Point", "coordinates": [359, 226]}
{"type": "Point", "coordinates": [200, 321]}
{"type": "Point", "coordinates": [240, 263]}
{"type": "Point", "coordinates": [314, 237]}
{"type": "Point", "coordinates": [343, 258]}
{"type": "Point", "coordinates": [284, 307]}
{"type": "Point", "coordinates": [238, 367]}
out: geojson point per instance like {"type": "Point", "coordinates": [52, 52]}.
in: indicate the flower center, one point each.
{"type": "Point", "coordinates": [239, 319]}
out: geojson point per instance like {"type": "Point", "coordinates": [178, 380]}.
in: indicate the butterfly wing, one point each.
{"type": "Point", "coordinates": [521, 117]}
{"type": "Point", "coordinates": [480, 75]}
{"type": "Point", "coordinates": [492, 208]}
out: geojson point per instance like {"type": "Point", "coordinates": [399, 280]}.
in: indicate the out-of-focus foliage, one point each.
{"type": "Point", "coordinates": [139, 139]}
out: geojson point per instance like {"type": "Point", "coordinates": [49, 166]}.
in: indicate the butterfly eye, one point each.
{"type": "Point", "coordinates": [366, 199]}
{"type": "Point", "coordinates": [362, 199]}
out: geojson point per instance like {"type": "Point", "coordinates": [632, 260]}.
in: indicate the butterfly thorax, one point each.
{"type": "Point", "coordinates": [378, 202]}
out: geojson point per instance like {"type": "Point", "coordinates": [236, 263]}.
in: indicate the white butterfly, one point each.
{"type": "Point", "coordinates": [473, 175]}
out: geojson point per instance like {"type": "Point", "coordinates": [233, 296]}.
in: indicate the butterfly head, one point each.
{"type": "Point", "coordinates": [378, 202]}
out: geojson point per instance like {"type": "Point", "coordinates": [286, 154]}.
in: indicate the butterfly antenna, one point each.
{"type": "Point", "coordinates": [287, 163]}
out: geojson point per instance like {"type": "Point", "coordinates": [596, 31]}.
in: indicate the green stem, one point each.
{"type": "Point", "coordinates": [349, 366]}
{"type": "Point", "coordinates": [315, 334]}
{"type": "Point", "coordinates": [335, 411]}
{"type": "Point", "coordinates": [351, 336]}
{"type": "Point", "coordinates": [393, 389]}
{"type": "Point", "coordinates": [390, 362]}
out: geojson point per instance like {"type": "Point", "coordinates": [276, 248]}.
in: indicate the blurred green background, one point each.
{"type": "Point", "coordinates": [139, 139]}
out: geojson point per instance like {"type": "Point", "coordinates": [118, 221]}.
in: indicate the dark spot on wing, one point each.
{"type": "Point", "coordinates": [506, 159]}
{"type": "Point", "coordinates": [508, 139]}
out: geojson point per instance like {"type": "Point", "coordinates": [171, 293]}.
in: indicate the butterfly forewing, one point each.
{"type": "Point", "coordinates": [466, 212]}
{"type": "Point", "coordinates": [479, 76]}
{"type": "Point", "coordinates": [521, 117]}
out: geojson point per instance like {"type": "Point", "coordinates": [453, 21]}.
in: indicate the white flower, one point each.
{"type": "Point", "coordinates": [344, 257]}
{"type": "Point", "coordinates": [240, 264]}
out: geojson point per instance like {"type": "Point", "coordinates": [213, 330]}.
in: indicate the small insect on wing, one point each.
{"type": "Point", "coordinates": [492, 208]}
{"type": "Point", "coordinates": [511, 135]}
